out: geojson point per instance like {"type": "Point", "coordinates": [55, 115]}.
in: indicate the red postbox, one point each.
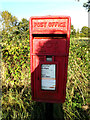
{"type": "Point", "coordinates": [49, 50]}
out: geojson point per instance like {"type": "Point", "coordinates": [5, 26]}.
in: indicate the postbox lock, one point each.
{"type": "Point", "coordinates": [48, 58]}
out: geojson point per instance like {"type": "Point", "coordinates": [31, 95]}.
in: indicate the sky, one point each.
{"type": "Point", "coordinates": [27, 8]}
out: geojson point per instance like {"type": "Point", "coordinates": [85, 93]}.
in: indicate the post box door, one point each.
{"type": "Point", "coordinates": [48, 47]}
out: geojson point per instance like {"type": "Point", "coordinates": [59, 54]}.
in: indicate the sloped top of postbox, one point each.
{"type": "Point", "coordinates": [50, 25]}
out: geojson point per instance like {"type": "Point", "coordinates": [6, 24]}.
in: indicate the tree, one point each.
{"type": "Point", "coordinates": [84, 30]}
{"type": "Point", "coordinates": [73, 31]}
{"type": "Point", "coordinates": [82, 35]}
{"type": "Point", "coordinates": [89, 32]}
{"type": "Point", "coordinates": [15, 42]}
{"type": "Point", "coordinates": [77, 34]}
{"type": "Point", "coordinates": [8, 21]}
{"type": "Point", "coordinates": [15, 60]}
{"type": "Point", "coordinates": [87, 5]}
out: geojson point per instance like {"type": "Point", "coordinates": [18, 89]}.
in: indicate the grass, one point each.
{"type": "Point", "coordinates": [16, 86]}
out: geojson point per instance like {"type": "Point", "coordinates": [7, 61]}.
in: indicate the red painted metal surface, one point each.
{"type": "Point", "coordinates": [49, 36]}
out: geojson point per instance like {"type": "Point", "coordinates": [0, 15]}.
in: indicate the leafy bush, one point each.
{"type": "Point", "coordinates": [77, 105]}
{"type": "Point", "coordinates": [16, 85]}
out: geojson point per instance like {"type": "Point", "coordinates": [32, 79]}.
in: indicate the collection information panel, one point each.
{"type": "Point", "coordinates": [48, 76]}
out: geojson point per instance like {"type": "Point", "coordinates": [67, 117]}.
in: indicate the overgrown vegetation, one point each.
{"type": "Point", "coordinates": [84, 32]}
{"type": "Point", "coordinates": [16, 85]}
{"type": "Point", "coordinates": [77, 101]}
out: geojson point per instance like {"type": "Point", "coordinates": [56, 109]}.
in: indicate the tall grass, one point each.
{"type": "Point", "coordinates": [77, 102]}
{"type": "Point", "coordinates": [17, 103]}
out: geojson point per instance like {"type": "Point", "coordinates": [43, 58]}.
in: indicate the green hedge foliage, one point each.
{"type": "Point", "coordinates": [17, 102]}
